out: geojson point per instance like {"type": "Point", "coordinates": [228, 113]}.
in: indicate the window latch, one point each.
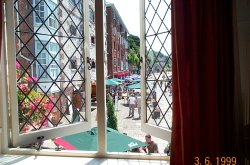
{"type": "Point", "coordinates": [39, 143]}
{"type": "Point", "coordinates": [89, 62]}
{"type": "Point", "coordinates": [141, 59]}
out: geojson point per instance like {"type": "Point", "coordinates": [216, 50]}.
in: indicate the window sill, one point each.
{"type": "Point", "coordinates": [89, 154]}
{"type": "Point", "coordinates": [24, 159]}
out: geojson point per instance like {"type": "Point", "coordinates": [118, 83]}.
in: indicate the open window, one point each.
{"type": "Point", "coordinates": [46, 98]}
{"type": "Point", "coordinates": [156, 68]}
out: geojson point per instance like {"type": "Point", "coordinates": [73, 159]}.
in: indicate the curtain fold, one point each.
{"type": "Point", "coordinates": [203, 81]}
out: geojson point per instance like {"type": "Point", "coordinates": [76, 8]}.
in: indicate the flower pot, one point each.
{"type": "Point", "coordinates": [77, 99]}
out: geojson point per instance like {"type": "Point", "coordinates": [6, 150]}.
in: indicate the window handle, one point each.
{"type": "Point", "coordinates": [89, 62]}
{"type": "Point", "coordinates": [141, 60]}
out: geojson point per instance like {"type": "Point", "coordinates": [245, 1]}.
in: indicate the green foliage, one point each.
{"type": "Point", "coordinates": [134, 50]}
{"type": "Point", "coordinates": [134, 43]}
{"type": "Point", "coordinates": [133, 57]}
{"type": "Point", "coordinates": [111, 116]}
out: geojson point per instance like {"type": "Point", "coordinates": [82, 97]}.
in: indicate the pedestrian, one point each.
{"type": "Point", "coordinates": [132, 102]}
{"type": "Point", "coordinates": [152, 146]}
{"type": "Point", "coordinates": [138, 102]}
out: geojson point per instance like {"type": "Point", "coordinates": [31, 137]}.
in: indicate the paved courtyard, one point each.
{"type": "Point", "coordinates": [132, 127]}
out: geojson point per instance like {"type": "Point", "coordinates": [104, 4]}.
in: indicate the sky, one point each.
{"type": "Point", "coordinates": [129, 11]}
{"type": "Point", "coordinates": [130, 14]}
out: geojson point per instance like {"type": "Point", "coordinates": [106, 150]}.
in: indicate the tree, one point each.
{"type": "Point", "coordinates": [111, 116]}
{"type": "Point", "coordinates": [134, 51]}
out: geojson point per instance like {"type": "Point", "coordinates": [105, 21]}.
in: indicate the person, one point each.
{"type": "Point", "coordinates": [131, 101]}
{"type": "Point", "coordinates": [138, 102]}
{"type": "Point", "coordinates": [152, 146]}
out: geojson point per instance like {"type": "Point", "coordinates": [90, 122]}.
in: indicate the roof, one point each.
{"type": "Point", "coordinates": [117, 13]}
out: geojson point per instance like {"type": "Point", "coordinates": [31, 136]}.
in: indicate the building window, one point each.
{"type": "Point", "coordinates": [39, 11]}
{"type": "Point", "coordinates": [42, 65]}
{"type": "Point", "coordinates": [91, 15]}
{"type": "Point", "coordinates": [52, 21]}
{"type": "Point", "coordinates": [53, 70]}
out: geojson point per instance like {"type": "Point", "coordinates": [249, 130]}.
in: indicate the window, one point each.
{"type": "Point", "coordinates": [52, 16]}
{"type": "Point", "coordinates": [91, 15]}
{"type": "Point", "coordinates": [72, 57]}
{"type": "Point", "coordinates": [39, 53]}
{"type": "Point", "coordinates": [42, 65]}
{"type": "Point", "coordinates": [39, 11]}
{"type": "Point", "coordinates": [53, 48]}
{"type": "Point", "coordinates": [52, 21]}
{"type": "Point", "coordinates": [53, 70]}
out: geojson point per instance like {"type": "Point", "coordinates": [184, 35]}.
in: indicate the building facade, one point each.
{"type": "Point", "coordinates": [117, 45]}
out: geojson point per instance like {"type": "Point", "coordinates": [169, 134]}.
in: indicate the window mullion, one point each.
{"type": "Point", "coordinates": [87, 54]}
{"type": "Point", "coordinates": [142, 52]}
{"type": "Point", "coordinates": [100, 79]}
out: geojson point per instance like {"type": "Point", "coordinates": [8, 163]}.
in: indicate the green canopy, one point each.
{"type": "Point", "coordinates": [87, 141]}
{"type": "Point", "coordinates": [117, 80]}
{"type": "Point", "coordinates": [111, 82]}
{"type": "Point", "coordinates": [135, 86]}
{"type": "Point", "coordinates": [137, 80]}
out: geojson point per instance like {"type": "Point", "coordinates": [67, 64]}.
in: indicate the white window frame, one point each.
{"type": "Point", "coordinates": [101, 123]}
{"type": "Point", "coordinates": [159, 132]}
{"type": "Point", "coordinates": [31, 137]}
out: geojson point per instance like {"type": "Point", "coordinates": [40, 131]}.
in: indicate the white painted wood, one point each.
{"type": "Point", "coordinates": [87, 54]}
{"type": "Point", "coordinates": [4, 136]}
{"type": "Point", "coordinates": [143, 66]}
{"type": "Point", "coordinates": [100, 79]}
{"type": "Point", "coordinates": [89, 154]}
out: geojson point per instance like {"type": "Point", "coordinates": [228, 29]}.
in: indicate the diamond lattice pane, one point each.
{"type": "Point", "coordinates": [49, 63]}
{"type": "Point", "coordinates": [158, 62]}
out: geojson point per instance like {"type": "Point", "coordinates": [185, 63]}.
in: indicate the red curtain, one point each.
{"type": "Point", "coordinates": [202, 35]}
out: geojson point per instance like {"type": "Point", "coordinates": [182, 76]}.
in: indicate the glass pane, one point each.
{"type": "Point", "coordinates": [49, 93]}
{"type": "Point", "coordinates": [158, 63]}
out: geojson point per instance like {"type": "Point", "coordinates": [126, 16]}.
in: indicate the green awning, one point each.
{"type": "Point", "coordinates": [87, 141]}
{"type": "Point", "coordinates": [117, 80]}
{"type": "Point", "coordinates": [135, 86]}
{"type": "Point", "coordinates": [111, 82]}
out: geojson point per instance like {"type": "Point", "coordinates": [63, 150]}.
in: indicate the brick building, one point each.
{"type": "Point", "coordinates": [117, 45]}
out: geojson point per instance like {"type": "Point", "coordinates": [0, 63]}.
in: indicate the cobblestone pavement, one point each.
{"type": "Point", "coordinates": [132, 127]}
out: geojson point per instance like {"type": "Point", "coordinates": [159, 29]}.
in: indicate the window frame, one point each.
{"type": "Point", "coordinates": [157, 131]}
{"type": "Point", "coordinates": [16, 138]}
{"type": "Point", "coordinates": [100, 80]}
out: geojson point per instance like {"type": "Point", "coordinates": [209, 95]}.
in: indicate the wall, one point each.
{"type": "Point", "coordinates": [243, 32]}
